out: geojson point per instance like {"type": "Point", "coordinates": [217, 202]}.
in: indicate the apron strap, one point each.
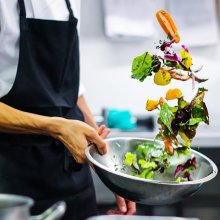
{"type": "Point", "coordinates": [22, 8]}
{"type": "Point", "coordinates": [23, 11]}
{"type": "Point", "coordinates": [69, 9]}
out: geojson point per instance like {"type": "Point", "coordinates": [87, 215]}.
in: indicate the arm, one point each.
{"type": "Point", "coordinates": [89, 119]}
{"type": "Point", "coordinates": [15, 121]}
{"type": "Point", "coordinates": [74, 134]}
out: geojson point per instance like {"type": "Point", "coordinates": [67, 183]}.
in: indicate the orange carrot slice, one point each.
{"type": "Point", "coordinates": [167, 24]}
{"type": "Point", "coordinates": [168, 146]}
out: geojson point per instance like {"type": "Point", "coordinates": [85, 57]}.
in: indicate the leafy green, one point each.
{"type": "Point", "coordinates": [129, 158]}
{"type": "Point", "coordinates": [146, 174]}
{"type": "Point", "coordinates": [198, 112]}
{"type": "Point", "coordinates": [183, 150]}
{"type": "Point", "coordinates": [142, 67]}
{"type": "Point", "coordinates": [149, 175]}
{"type": "Point", "coordinates": [166, 116]}
{"type": "Point", "coordinates": [142, 150]}
{"type": "Point", "coordinates": [182, 103]}
{"type": "Point", "coordinates": [179, 179]}
{"type": "Point", "coordinates": [194, 121]}
{"type": "Point", "coordinates": [202, 89]}
{"type": "Point", "coordinates": [173, 109]}
{"type": "Point", "coordinates": [146, 165]}
{"type": "Point", "coordinates": [183, 119]}
{"type": "Point", "coordinates": [146, 159]}
{"type": "Point", "coordinates": [199, 109]}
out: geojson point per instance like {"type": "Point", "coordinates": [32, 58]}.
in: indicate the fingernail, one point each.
{"type": "Point", "coordinates": [106, 130]}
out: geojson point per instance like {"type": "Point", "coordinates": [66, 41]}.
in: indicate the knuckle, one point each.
{"type": "Point", "coordinates": [104, 145]}
{"type": "Point", "coordinates": [79, 160]}
{"type": "Point", "coordinates": [91, 132]}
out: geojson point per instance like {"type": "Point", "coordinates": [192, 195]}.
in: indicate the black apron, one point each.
{"type": "Point", "coordinates": [46, 83]}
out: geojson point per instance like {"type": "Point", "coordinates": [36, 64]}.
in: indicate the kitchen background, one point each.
{"type": "Point", "coordinates": [113, 32]}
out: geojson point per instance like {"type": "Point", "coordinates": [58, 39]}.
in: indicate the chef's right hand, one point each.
{"type": "Point", "coordinates": [76, 136]}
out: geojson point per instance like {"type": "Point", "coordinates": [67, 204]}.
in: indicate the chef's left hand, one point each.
{"type": "Point", "coordinates": [125, 207]}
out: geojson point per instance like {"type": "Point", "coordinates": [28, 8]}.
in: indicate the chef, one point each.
{"type": "Point", "coordinates": [42, 133]}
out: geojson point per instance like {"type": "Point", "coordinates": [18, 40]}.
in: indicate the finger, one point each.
{"type": "Point", "coordinates": [105, 133]}
{"type": "Point", "coordinates": [131, 206]}
{"type": "Point", "coordinates": [100, 129]}
{"type": "Point", "coordinates": [121, 204]}
{"type": "Point", "coordinates": [96, 139]}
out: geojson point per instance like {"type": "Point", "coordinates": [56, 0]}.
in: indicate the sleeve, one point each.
{"type": "Point", "coordinates": [81, 89]}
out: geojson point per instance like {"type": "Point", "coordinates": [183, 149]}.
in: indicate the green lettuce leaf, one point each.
{"type": "Point", "coordinates": [147, 174]}
{"type": "Point", "coordinates": [142, 150]}
{"type": "Point", "coordinates": [194, 121]}
{"type": "Point", "coordinates": [147, 165]}
{"type": "Point", "coordinates": [166, 116]}
{"type": "Point", "coordinates": [129, 158]}
{"type": "Point", "coordinates": [182, 103]}
{"type": "Point", "coordinates": [142, 67]}
{"type": "Point", "coordinates": [198, 112]}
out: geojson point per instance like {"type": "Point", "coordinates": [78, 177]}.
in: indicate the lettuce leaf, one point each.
{"type": "Point", "coordinates": [166, 116]}
{"type": "Point", "coordinates": [147, 165]}
{"type": "Point", "coordinates": [147, 174]}
{"type": "Point", "coordinates": [129, 158]}
{"type": "Point", "coordinates": [194, 121]}
{"type": "Point", "coordinates": [142, 67]}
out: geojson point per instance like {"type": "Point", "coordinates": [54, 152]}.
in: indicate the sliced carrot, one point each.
{"type": "Point", "coordinates": [161, 101]}
{"type": "Point", "coordinates": [168, 146]}
{"type": "Point", "coordinates": [168, 25]}
{"type": "Point", "coordinates": [179, 76]}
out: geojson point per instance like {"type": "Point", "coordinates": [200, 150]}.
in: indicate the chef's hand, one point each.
{"type": "Point", "coordinates": [76, 136]}
{"type": "Point", "coordinates": [125, 207]}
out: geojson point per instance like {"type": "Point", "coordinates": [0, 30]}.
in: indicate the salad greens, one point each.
{"type": "Point", "coordinates": [147, 159]}
{"type": "Point", "coordinates": [186, 119]}
{"type": "Point", "coordinates": [150, 160]}
{"type": "Point", "coordinates": [178, 123]}
{"type": "Point", "coordinates": [176, 64]}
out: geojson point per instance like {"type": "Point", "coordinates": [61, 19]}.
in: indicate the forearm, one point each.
{"type": "Point", "coordinates": [75, 135]}
{"type": "Point", "coordinates": [89, 119]}
{"type": "Point", "coordinates": [16, 121]}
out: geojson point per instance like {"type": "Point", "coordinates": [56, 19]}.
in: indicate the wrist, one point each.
{"type": "Point", "coordinates": [53, 127]}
